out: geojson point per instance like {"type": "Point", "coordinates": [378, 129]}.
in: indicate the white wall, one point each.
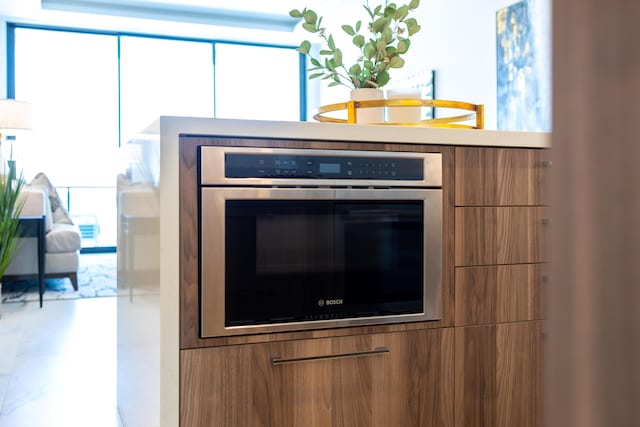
{"type": "Point", "coordinates": [459, 42]}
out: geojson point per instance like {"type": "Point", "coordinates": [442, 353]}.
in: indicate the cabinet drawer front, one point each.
{"type": "Point", "coordinates": [322, 382]}
{"type": "Point", "coordinates": [499, 235]}
{"type": "Point", "coordinates": [498, 375]}
{"type": "Point", "coordinates": [501, 176]}
{"type": "Point", "coordinates": [498, 294]}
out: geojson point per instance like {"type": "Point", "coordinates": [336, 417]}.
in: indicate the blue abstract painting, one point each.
{"type": "Point", "coordinates": [523, 67]}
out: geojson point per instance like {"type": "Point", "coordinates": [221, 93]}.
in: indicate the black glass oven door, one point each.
{"type": "Point", "coordinates": [279, 260]}
{"type": "Point", "coordinates": [379, 257]}
{"type": "Point", "coordinates": [301, 260]}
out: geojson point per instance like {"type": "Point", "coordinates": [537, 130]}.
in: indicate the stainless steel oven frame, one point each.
{"type": "Point", "coordinates": [216, 189]}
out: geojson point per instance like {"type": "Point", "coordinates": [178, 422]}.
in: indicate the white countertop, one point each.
{"type": "Point", "coordinates": [348, 132]}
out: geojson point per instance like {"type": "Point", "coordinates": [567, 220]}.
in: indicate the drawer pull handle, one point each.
{"type": "Point", "coordinates": [547, 163]}
{"type": "Point", "coordinates": [377, 351]}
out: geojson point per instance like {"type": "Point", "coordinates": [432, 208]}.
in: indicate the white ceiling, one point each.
{"type": "Point", "coordinates": [262, 14]}
{"type": "Point", "coordinates": [258, 6]}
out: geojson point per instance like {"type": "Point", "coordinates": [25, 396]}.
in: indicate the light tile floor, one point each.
{"type": "Point", "coordinates": [58, 364]}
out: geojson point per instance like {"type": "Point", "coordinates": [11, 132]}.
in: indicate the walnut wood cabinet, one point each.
{"type": "Point", "coordinates": [499, 235]}
{"type": "Point", "coordinates": [498, 370]}
{"type": "Point", "coordinates": [478, 366]}
{"type": "Point", "coordinates": [395, 379]}
{"type": "Point", "coordinates": [500, 218]}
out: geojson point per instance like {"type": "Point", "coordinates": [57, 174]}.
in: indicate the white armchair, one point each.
{"type": "Point", "coordinates": [62, 243]}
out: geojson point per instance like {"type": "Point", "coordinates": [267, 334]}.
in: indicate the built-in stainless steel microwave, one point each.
{"type": "Point", "coordinates": [309, 239]}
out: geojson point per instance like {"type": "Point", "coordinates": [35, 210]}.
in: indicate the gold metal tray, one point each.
{"type": "Point", "coordinates": [477, 112]}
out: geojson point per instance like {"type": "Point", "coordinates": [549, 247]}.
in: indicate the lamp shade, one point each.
{"type": "Point", "coordinates": [15, 115]}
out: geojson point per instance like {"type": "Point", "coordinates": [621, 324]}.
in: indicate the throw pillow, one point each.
{"type": "Point", "coordinates": [60, 214]}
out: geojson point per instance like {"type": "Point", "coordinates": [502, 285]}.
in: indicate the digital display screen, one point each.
{"type": "Point", "coordinates": [329, 167]}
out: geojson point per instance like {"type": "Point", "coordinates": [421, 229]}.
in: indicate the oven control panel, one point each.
{"type": "Point", "coordinates": [248, 165]}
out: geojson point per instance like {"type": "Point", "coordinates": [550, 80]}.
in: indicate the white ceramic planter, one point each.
{"type": "Point", "coordinates": [404, 114]}
{"type": "Point", "coordinates": [368, 115]}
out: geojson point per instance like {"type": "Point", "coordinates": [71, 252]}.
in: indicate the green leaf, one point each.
{"type": "Point", "coordinates": [401, 13]}
{"type": "Point", "coordinates": [329, 64]}
{"type": "Point", "coordinates": [414, 29]}
{"type": "Point", "coordinates": [414, 4]}
{"type": "Point", "coordinates": [377, 10]}
{"type": "Point", "coordinates": [387, 35]}
{"type": "Point", "coordinates": [412, 26]}
{"type": "Point", "coordinates": [368, 65]}
{"type": "Point", "coordinates": [359, 40]}
{"type": "Point", "coordinates": [295, 13]}
{"type": "Point", "coordinates": [396, 62]}
{"type": "Point", "coordinates": [380, 67]}
{"type": "Point", "coordinates": [349, 30]}
{"type": "Point", "coordinates": [326, 52]}
{"type": "Point", "coordinates": [379, 24]}
{"type": "Point", "coordinates": [305, 47]}
{"type": "Point", "coordinates": [391, 51]}
{"type": "Point", "coordinates": [315, 62]}
{"type": "Point", "coordinates": [355, 70]}
{"type": "Point", "coordinates": [315, 75]}
{"type": "Point", "coordinates": [369, 50]}
{"type": "Point", "coordinates": [390, 10]}
{"type": "Point", "coordinates": [381, 48]}
{"type": "Point", "coordinates": [382, 79]}
{"type": "Point", "coordinates": [331, 43]}
{"type": "Point", "coordinates": [403, 45]}
{"type": "Point", "coordinates": [358, 25]}
{"type": "Point", "coordinates": [337, 57]}
{"type": "Point", "coordinates": [310, 17]}
{"type": "Point", "coordinates": [333, 84]}
{"type": "Point", "coordinates": [309, 27]}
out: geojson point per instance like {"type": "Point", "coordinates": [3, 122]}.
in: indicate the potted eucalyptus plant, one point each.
{"type": "Point", "coordinates": [380, 45]}
{"type": "Point", "coordinates": [10, 208]}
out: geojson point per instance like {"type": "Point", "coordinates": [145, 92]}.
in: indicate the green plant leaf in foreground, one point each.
{"type": "Point", "coordinates": [380, 46]}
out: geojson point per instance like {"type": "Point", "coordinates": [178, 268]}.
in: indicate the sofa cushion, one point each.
{"type": "Point", "coordinates": [63, 238]}
{"type": "Point", "coordinates": [36, 203]}
{"type": "Point", "coordinates": [60, 214]}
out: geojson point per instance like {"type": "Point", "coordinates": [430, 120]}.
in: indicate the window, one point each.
{"type": "Point", "coordinates": [72, 81]}
{"type": "Point", "coordinates": [257, 82]}
{"type": "Point", "coordinates": [92, 91]}
{"type": "Point", "coordinates": [163, 77]}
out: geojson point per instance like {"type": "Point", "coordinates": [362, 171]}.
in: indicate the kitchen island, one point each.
{"type": "Point", "coordinates": [483, 357]}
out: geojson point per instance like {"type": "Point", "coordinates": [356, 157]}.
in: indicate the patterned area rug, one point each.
{"type": "Point", "coordinates": [97, 277]}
